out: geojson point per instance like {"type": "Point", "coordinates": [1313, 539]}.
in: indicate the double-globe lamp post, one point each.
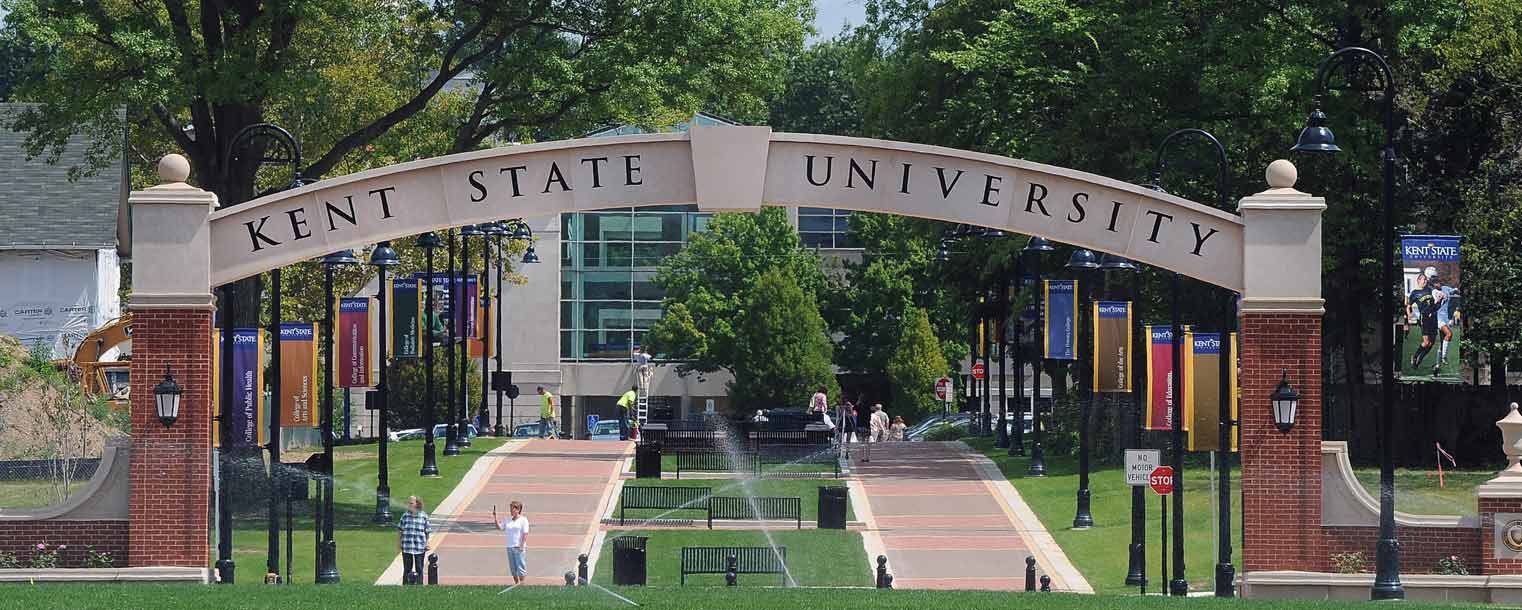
{"type": "Point", "coordinates": [1034, 249]}
{"type": "Point", "coordinates": [514, 230]}
{"type": "Point", "coordinates": [1318, 138]}
{"type": "Point", "coordinates": [1082, 263]}
{"type": "Point", "coordinates": [462, 437]}
{"type": "Point", "coordinates": [327, 548]}
{"type": "Point", "coordinates": [1136, 571]}
{"type": "Point", "coordinates": [428, 242]}
{"type": "Point", "coordinates": [383, 258]}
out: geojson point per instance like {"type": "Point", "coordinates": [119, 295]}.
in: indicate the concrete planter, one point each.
{"type": "Point", "coordinates": [147, 574]}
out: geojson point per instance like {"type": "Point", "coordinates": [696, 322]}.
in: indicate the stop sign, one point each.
{"type": "Point", "coordinates": [977, 371]}
{"type": "Point", "coordinates": [942, 388]}
{"type": "Point", "coordinates": [1161, 480]}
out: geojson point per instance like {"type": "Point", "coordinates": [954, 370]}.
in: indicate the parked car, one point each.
{"type": "Point", "coordinates": [405, 435]}
{"type": "Point", "coordinates": [442, 431]}
{"type": "Point", "coordinates": [606, 431]}
{"type": "Point", "coordinates": [526, 431]}
{"type": "Point", "coordinates": [918, 432]}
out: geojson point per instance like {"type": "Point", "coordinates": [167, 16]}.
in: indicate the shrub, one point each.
{"type": "Point", "coordinates": [8, 560]}
{"type": "Point", "coordinates": [1452, 565]}
{"type": "Point", "coordinates": [1349, 563]}
{"type": "Point", "coordinates": [946, 432]}
{"type": "Point", "coordinates": [97, 559]}
{"type": "Point", "coordinates": [46, 556]}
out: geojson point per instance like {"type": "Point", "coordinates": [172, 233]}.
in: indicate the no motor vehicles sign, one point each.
{"type": "Point", "coordinates": [1139, 465]}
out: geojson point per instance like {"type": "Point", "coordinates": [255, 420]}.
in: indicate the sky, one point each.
{"type": "Point", "coordinates": [831, 14]}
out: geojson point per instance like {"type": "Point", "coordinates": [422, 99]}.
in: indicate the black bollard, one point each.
{"type": "Point", "coordinates": [1046, 584]}
{"type": "Point", "coordinates": [882, 572]}
{"type": "Point", "coordinates": [581, 570]}
{"type": "Point", "coordinates": [433, 569]}
{"type": "Point", "coordinates": [732, 573]}
{"type": "Point", "coordinates": [1030, 573]}
{"type": "Point", "coordinates": [887, 581]}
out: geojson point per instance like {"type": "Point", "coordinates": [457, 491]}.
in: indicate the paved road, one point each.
{"type": "Point", "coordinates": [946, 519]}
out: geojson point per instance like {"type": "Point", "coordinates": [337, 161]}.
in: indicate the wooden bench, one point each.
{"type": "Point", "coordinates": [763, 508]}
{"type": "Point", "coordinates": [664, 498]}
{"type": "Point", "coordinates": [749, 560]}
{"type": "Point", "coordinates": [802, 454]}
{"type": "Point", "coordinates": [715, 461]}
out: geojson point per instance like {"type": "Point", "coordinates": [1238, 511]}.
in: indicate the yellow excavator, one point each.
{"type": "Point", "coordinates": [104, 377]}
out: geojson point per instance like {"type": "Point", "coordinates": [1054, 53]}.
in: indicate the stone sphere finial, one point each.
{"type": "Point", "coordinates": [174, 168]}
{"type": "Point", "coordinates": [1281, 174]}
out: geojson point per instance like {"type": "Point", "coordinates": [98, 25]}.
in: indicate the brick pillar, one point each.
{"type": "Point", "coordinates": [171, 309]}
{"type": "Point", "coordinates": [1281, 333]}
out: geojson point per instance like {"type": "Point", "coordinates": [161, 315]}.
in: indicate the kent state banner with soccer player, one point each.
{"type": "Point", "coordinates": [1431, 321]}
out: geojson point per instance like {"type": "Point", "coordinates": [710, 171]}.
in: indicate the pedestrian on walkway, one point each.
{"type": "Point", "coordinates": [413, 540]}
{"type": "Point", "coordinates": [625, 403]}
{"type": "Point", "coordinates": [896, 433]}
{"type": "Point", "coordinates": [851, 424]}
{"type": "Point", "coordinates": [546, 414]}
{"type": "Point", "coordinates": [516, 526]}
{"type": "Point", "coordinates": [878, 424]}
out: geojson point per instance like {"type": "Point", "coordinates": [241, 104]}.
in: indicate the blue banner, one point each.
{"type": "Point", "coordinates": [462, 289]}
{"type": "Point", "coordinates": [247, 411]}
{"type": "Point", "coordinates": [1061, 297]}
{"type": "Point", "coordinates": [1431, 331]}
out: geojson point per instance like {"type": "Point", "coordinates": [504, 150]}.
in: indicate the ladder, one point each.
{"type": "Point", "coordinates": [642, 400]}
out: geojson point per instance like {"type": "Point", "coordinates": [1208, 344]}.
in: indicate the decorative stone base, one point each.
{"type": "Point", "coordinates": [1506, 590]}
{"type": "Point", "coordinates": [145, 574]}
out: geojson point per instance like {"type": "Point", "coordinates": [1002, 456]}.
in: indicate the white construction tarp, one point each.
{"type": "Point", "coordinates": [56, 297]}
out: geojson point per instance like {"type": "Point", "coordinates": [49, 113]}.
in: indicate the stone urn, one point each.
{"type": "Point", "coordinates": [1511, 442]}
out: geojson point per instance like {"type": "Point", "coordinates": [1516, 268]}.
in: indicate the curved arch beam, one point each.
{"type": "Point", "coordinates": [728, 169]}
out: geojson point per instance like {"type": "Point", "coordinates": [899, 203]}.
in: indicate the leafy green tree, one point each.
{"type": "Point", "coordinates": [915, 366]}
{"type": "Point", "coordinates": [782, 349]}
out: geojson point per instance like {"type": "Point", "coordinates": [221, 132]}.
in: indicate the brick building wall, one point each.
{"type": "Point", "coordinates": [20, 538]}
{"type": "Point", "coordinates": [1488, 509]}
{"type": "Point", "coordinates": [171, 467]}
{"type": "Point", "coordinates": [1420, 547]}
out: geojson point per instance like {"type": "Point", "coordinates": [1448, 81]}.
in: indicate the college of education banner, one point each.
{"type": "Point", "coordinates": [354, 365]}
{"type": "Point", "coordinates": [1061, 298]}
{"type": "Point", "coordinates": [1160, 379]}
{"type": "Point", "coordinates": [1112, 346]}
{"type": "Point", "coordinates": [1430, 329]}
{"type": "Point", "coordinates": [406, 323]}
{"type": "Point", "coordinates": [298, 374]}
{"type": "Point", "coordinates": [1202, 391]}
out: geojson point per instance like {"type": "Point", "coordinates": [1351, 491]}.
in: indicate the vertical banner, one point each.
{"type": "Point", "coordinates": [1160, 379]}
{"type": "Point", "coordinates": [406, 323]}
{"type": "Point", "coordinates": [246, 417]}
{"type": "Point", "coordinates": [353, 364]}
{"type": "Point", "coordinates": [1112, 346]}
{"type": "Point", "coordinates": [1061, 297]}
{"type": "Point", "coordinates": [1430, 328]}
{"type": "Point", "coordinates": [461, 290]}
{"type": "Point", "coordinates": [1202, 393]}
{"type": "Point", "coordinates": [298, 374]}
{"type": "Point", "coordinates": [216, 386]}
{"type": "Point", "coordinates": [484, 319]}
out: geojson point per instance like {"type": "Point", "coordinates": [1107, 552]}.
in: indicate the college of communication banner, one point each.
{"type": "Point", "coordinates": [355, 364]}
{"type": "Point", "coordinates": [1202, 393]}
{"type": "Point", "coordinates": [1061, 297]}
{"type": "Point", "coordinates": [1160, 379]}
{"type": "Point", "coordinates": [1431, 329]}
{"type": "Point", "coordinates": [298, 374]}
{"type": "Point", "coordinates": [462, 288]}
{"type": "Point", "coordinates": [1112, 346]}
{"type": "Point", "coordinates": [406, 323]}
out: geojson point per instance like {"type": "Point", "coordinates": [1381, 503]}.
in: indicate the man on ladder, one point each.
{"type": "Point", "coordinates": [642, 361]}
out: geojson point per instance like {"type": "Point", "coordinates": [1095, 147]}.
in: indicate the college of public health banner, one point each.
{"type": "Point", "coordinates": [247, 413]}
{"type": "Point", "coordinates": [1160, 379]}
{"type": "Point", "coordinates": [462, 288]}
{"type": "Point", "coordinates": [1431, 328]}
{"type": "Point", "coordinates": [1061, 298]}
{"type": "Point", "coordinates": [1202, 393]}
{"type": "Point", "coordinates": [1112, 346]}
{"type": "Point", "coordinates": [356, 359]}
{"type": "Point", "coordinates": [406, 323]}
{"type": "Point", "coordinates": [298, 374]}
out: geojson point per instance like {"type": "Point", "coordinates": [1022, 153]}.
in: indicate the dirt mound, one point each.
{"type": "Point", "coordinates": [44, 413]}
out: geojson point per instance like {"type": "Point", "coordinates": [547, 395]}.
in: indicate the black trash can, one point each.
{"type": "Point", "coordinates": [832, 507]}
{"type": "Point", "coordinates": [629, 560]}
{"type": "Point", "coordinates": [647, 461]}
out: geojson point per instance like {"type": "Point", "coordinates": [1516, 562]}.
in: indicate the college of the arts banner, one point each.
{"type": "Point", "coordinates": [1160, 379]}
{"type": "Point", "coordinates": [246, 417]}
{"type": "Point", "coordinates": [1202, 393]}
{"type": "Point", "coordinates": [298, 374]}
{"type": "Point", "coordinates": [355, 361]}
{"type": "Point", "coordinates": [462, 289]}
{"type": "Point", "coordinates": [1431, 328]}
{"type": "Point", "coordinates": [1061, 298]}
{"type": "Point", "coordinates": [406, 323]}
{"type": "Point", "coordinates": [1112, 346]}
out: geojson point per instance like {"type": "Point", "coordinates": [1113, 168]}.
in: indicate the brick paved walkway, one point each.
{"type": "Point", "coordinates": [946, 519]}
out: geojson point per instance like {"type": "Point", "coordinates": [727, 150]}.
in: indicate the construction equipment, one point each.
{"type": "Point", "coordinates": [103, 377]}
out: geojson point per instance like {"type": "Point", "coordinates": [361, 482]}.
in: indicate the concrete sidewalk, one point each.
{"type": "Point", "coordinates": [564, 487]}
{"type": "Point", "coordinates": [946, 519]}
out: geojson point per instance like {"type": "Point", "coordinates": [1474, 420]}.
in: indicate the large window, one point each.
{"type": "Point", "coordinates": [608, 262]}
{"type": "Point", "coordinates": [825, 228]}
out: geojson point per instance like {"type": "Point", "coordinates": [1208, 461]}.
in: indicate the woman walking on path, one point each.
{"type": "Point", "coordinates": [413, 542]}
{"type": "Point", "coordinates": [878, 424]}
{"type": "Point", "coordinates": [896, 433]}
{"type": "Point", "coordinates": [516, 526]}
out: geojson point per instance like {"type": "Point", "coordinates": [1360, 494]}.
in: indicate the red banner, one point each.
{"type": "Point", "coordinates": [355, 359]}
{"type": "Point", "coordinates": [1160, 378]}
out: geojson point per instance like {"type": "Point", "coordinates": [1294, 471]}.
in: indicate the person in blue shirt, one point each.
{"type": "Point", "coordinates": [1448, 313]}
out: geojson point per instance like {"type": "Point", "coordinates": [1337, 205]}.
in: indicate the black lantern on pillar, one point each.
{"type": "Point", "coordinates": [166, 396]}
{"type": "Point", "coordinates": [1284, 400]}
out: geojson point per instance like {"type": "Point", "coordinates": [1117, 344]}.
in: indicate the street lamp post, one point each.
{"type": "Point", "coordinates": [1136, 572]}
{"type": "Point", "coordinates": [327, 548]}
{"type": "Point", "coordinates": [467, 232]}
{"type": "Point", "coordinates": [1081, 263]}
{"type": "Point", "coordinates": [225, 565]}
{"type": "Point", "coordinates": [1016, 327]}
{"type": "Point", "coordinates": [428, 242]}
{"type": "Point", "coordinates": [997, 307]}
{"type": "Point", "coordinates": [1318, 138]}
{"type": "Point", "coordinates": [515, 230]}
{"type": "Point", "coordinates": [1035, 248]}
{"type": "Point", "coordinates": [453, 432]}
{"type": "Point", "coordinates": [383, 258]}
{"type": "Point", "coordinates": [489, 230]}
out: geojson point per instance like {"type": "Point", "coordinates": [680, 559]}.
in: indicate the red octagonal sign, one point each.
{"type": "Point", "coordinates": [977, 371]}
{"type": "Point", "coordinates": [1161, 480]}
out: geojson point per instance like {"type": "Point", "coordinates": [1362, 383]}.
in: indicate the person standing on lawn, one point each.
{"type": "Point", "coordinates": [625, 403]}
{"type": "Point", "coordinates": [413, 540]}
{"type": "Point", "coordinates": [516, 526]}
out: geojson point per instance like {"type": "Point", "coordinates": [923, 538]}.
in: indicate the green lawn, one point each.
{"type": "Point", "coordinates": [806, 489]}
{"type": "Point", "coordinates": [815, 557]}
{"type": "Point", "coordinates": [311, 597]}
{"type": "Point", "coordinates": [1101, 553]}
{"type": "Point", "coordinates": [365, 549]}
{"type": "Point", "coordinates": [1417, 491]}
{"type": "Point", "coordinates": [34, 494]}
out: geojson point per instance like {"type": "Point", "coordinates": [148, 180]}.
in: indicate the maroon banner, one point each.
{"type": "Point", "coordinates": [355, 358]}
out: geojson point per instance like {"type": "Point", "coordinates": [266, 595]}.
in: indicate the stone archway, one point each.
{"type": "Point", "coordinates": [183, 248]}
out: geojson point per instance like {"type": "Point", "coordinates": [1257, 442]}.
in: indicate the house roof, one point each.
{"type": "Point", "coordinates": [42, 208]}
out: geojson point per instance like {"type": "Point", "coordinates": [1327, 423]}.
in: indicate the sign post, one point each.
{"type": "Point", "coordinates": [944, 392]}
